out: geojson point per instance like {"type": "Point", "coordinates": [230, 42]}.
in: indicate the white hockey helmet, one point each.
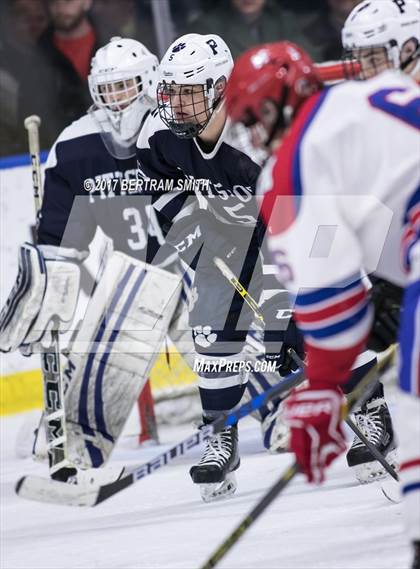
{"type": "Point", "coordinates": [122, 82]}
{"type": "Point", "coordinates": [393, 25]}
{"type": "Point", "coordinates": [194, 63]}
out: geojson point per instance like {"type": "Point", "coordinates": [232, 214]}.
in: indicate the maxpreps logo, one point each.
{"type": "Point", "coordinates": [203, 365]}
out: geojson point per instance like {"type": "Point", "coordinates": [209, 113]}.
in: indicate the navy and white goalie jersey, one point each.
{"type": "Point", "coordinates": [86, 186]}
{"type": "Point", "coordinates": [221, 180]}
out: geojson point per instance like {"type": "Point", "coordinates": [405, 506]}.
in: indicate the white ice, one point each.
{"type": "Point", "coordinates": [162, 523]}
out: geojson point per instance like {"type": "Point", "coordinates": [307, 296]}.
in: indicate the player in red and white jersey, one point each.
{"type": "Point", "coordinates": [343, 175]}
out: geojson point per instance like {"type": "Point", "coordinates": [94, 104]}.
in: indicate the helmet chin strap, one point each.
{"type": "Point", "coordinates": [135, 116]}
{"type": "Point", "coordinates": [217, 107]}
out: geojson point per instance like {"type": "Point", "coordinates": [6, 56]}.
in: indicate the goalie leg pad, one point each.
{"type": "Point", "coordinates": [113, 353]}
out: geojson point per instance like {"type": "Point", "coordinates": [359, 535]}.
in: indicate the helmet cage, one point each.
{"type": "Point", "coordinates": [197, 102]}
{"type": "Point", "coordinates": [122, 98]}
{"type": "Point", "coordinates": [115, 91]}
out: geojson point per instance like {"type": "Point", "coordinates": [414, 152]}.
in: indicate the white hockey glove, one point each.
{"type": "Point", "coordinates": [46, 289]}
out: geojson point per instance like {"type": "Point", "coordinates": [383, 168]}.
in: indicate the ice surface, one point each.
{"type": "Point", "coordinates": [162, 523]}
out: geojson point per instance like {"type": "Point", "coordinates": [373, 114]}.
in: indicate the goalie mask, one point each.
{"type": "Point", "coordinates": [122, 83]}
{"type": "Point", "coordinates": [383, 34]}
{"type": "Point", "coordinates": [193, 73]}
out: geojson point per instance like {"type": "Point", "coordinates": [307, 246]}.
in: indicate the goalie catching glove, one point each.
{"type": "Point", "coordinates": [45, 291]}
{"type": "Point", "coordinates": [316, 435]}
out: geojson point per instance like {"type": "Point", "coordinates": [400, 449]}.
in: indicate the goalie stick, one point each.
{"type": "Point", "coordinates": [47, 490]}
{"type": "Point", "coordinates": [357, 397]}
{"type": "Point", "coordinates": [60, 467]}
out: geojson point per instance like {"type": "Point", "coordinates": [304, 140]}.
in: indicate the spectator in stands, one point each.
{"type": "Point", "coordinates": [322, 29]}
{"type": "Point", "coordinates": [126, 18]}
{"type": "Point", "coordinates": [244, 23]}
{"type": "Point", "coordinates": [25, 82]}
{"type": "Point", "coordinates": [68, 45]}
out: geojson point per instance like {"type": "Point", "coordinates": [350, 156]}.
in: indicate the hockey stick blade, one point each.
{"type": "Point", "coordinates": [52, 491]}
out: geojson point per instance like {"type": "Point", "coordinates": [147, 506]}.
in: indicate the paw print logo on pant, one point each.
{"type": "Point", "coordinates": [203, 336]}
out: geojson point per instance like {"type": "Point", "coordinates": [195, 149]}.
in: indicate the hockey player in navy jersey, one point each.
{"type": "Point", "coordinates": [332, 215]}
{"type": "Point", "coordinates": [90, 182]}
{"type": "Point", "coordinates": [207, 209]}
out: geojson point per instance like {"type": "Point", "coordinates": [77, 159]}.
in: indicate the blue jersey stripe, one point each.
{"type": "Point", "coordinates": [410, 488]}
{"type": "Point", "coordinates": [339, 327]}
{"type": "Point", "coordinates": [296, 163]}
{"type": "Point", "coordinates": [319, 295]}
{"type": "Point", "coordinates": [407, 337]}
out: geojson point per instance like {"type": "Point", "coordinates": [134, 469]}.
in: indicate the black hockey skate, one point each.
{"type": "Point", "coordinates": [374, 420]}
{"type": "Point", "coordinates": [214, 471]}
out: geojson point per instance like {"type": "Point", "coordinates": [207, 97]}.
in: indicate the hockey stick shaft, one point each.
{"type": "Point", "coordinates": [54, 410]}
{"type": "Point", "coordinates": [354, 398]}
{"type": "Point", "coordinates": [291, 381]}
{"type": "Point", "coordinates": [372, 449]}
{"type": "Point", "coordinates": [32, 125]}
{"type": "Point", "coordinates": [50, 357]}
{"type": "Point", "coordinates": [227, 273]}
{"type": "Point", "coordinates": [338, 71]}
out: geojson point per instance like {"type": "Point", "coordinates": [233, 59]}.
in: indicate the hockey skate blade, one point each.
{"type": "Point", "coordinates": [391, 490]}
{"type": "Point", "coordinates": [374, 471]}
{"type": "Point", "coordinates": [51, 491]}
{"type": "Point", "coordinates": [219, 490]}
